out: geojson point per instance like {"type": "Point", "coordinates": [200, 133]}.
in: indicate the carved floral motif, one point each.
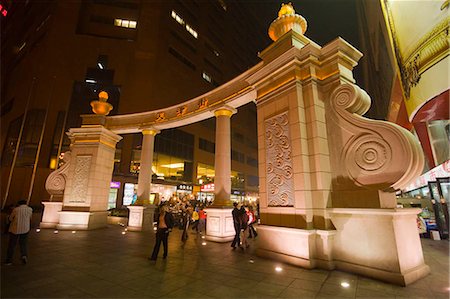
{"type": "Point", "coordinates": [81, 179]}
{"type": "Point", "coordinates": [279, 161]}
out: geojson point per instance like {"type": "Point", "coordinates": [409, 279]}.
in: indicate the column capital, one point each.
{"type": "Point", "coordinates": [150, 131]}
{"type": "Point", "coordinates": [224, 111]}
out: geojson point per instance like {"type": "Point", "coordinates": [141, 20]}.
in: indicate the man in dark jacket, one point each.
{"type": "Point", "coordinates": [164, 224]}
{"type": "Point", "coordinates": [237, 225]}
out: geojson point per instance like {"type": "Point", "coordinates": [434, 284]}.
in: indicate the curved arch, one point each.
{"type": "Point", "coordinates": [234, 93]}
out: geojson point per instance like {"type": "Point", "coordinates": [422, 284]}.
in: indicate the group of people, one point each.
{"type": "Point", "coordinates": [243, 219]}
{"type": "Point", "coordinates": [187, 214]}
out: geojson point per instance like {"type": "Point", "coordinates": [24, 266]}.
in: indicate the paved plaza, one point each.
{"type": "Point", "coordinates": [112, 263]}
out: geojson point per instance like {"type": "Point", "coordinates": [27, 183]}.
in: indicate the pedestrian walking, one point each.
{"type": "Point", "coordinates": [237, 225]}
{"type": "Point", "coordinates": [20, 220]}
{"type": "Point", "coordinates": [164, 224]}
{"type": "Point", "coordinates": [202, 221]}
{"type": "Point", "coordinates": [187, 215]}
{"type": "Point", "coordinates": [195, 218]}
{"type": "Point", "coordinates": [252, 220]}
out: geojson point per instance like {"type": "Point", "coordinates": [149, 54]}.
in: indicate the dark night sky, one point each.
{"type": "Point", "coordinates": [327, 19]}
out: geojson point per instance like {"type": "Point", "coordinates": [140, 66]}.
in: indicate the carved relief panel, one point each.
{"type": "Point", "coordinates": [279, 171]}
{"type": "Point", "coordinates": [81, 179]}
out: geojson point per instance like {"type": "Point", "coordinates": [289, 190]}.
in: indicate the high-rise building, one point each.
{"type": "Point", "coordinates": [58, 55]}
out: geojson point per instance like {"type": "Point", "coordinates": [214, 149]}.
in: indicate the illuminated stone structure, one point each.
{"type": "Point", "coordinates": [327, 174]}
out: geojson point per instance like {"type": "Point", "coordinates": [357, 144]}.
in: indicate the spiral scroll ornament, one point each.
{"type": "Point", "coordinates": [367, 154]}
{"type": "Point", "coordinates": [56, 181]}
{"type": "Point", "coordinates": [373, 154]}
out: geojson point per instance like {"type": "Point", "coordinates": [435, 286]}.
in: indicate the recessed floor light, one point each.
{"type": "Point", "coordinates": [55, 232]}
{"type": "Point", "coordinates": [278, 269]}
{"type": "Point", "coordinates": [251, 261]}
{"type": "Point", "coordinates": [204, 243]}
{"type": "Point", "coordinates": [38, 230]}
{"type": "Point", "coordinates": [73, 232]}
{"type": "Point", "coordinates": [123, 233]}
{"type": "Point", "coordinates": [345, 284]}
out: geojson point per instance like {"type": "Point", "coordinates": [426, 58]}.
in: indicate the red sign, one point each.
{"type": "Point", "coordinates": [207, 188]}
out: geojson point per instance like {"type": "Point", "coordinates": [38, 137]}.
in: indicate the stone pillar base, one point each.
{"type": "Point", "coordinates": [50, 215]}
{"type": "Point", "coordinates": [72, 220]}
{"type": "Point", "coordinates": [219, 224]}
{"type": "Point", "coordinates": [305, 248]}
{"type": "Point", "coordinates": [379, 243]}
{"type": "Point", "coordinates": [140, 218]}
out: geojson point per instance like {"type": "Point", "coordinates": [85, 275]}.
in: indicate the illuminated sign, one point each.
{"type": "Point", "coordinates": [115, 185]}
{"type": "Point", "coordinates": [3, 11]}
{"type": "Point", "coordinates": [207, 188]}
{"type": "Point", "coordinates": [184, 187]}
{"type": "Point", "coordinates": [441, 171]}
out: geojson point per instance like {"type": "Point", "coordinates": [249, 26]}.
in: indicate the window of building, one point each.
{"type": "Point", "coordinates": [182, 58]}
{"type": "Point", "coordinates": [11, 141]}
{"type": "Point", "coordinates": [181, 21]}
{"type": "Point", "coordinates": [65, 142]}
{"type": "Point", "coordinates": [205, 174]}
{"type": "Point", "coordinates": [252, 180]}
{"type": "Point", "coordinates": [252, 161]}
{"type": "Point", "coordinates": [237, 156]}
{"type": "Point", "coordinates": [125, 23]}
{"type": "Point", "coordinates": [223, 4]}
{"type": "Point", "coordinates": [191, 31]}
{"type": "Point", "coordinates": [206, 145]}
{"type": "Point", "coordinates": [177, 18]}
{"type": "Point", "coordinates": [183, 41]}
{"type": "Point", "coordinates": [30, 139]}
{"type": "Point", "coordinates": [237, 180]}
{"type": "Point", "coordinates": [207, 77]}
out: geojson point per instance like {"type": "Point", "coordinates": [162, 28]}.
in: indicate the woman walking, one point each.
{"type": "Point", "coordinates": [164, 223]}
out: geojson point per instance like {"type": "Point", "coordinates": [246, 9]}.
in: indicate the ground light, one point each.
{"type": "Point", "coordinates": [38, 230]}
{"type": "Point", "coordinates": [345, 284]}
{"type": "Point", "coordinates": [123, 233]}
{"type": "Point", "coordinates": [203, 237]}
{"type": "Point", "coordinates": [251, 261]}
{"type": "Point", "coordinates": [55, 231]}
{"type": "Point", "coordinates": [73, 232]}
{"type": "Point", "coordinates": [278, 269]}
{"type": "Point", "coordinates": [203, 243]}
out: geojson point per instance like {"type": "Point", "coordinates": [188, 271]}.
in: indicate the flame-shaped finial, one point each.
{"type": "Point", "coordinates": [101, 107]}
{"type": "Point", "coordinates": [287, 20]}
{"type": "Point", "coordinates": [286, 9]}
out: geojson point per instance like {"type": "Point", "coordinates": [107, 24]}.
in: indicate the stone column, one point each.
{"type": "Point", "coordinates": [145, 172]}
{"type": "Point", "coordinates": [219, 226]}
{"type": "Point", "coordinates": [141, 212]}
{"type": "Point", "coordinates": [222, 167]}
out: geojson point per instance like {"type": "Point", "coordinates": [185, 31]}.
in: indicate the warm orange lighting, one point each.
{"type": "Point", "coordinates": [103, 96]}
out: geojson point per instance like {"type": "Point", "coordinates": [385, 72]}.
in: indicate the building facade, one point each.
{"type": "Point", "coordinates": [145, 55]}
{"type": "Point", "coordinates": [406, 67]}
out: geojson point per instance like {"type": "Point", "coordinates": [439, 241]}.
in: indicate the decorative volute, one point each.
{"type": "Point", "coordinates": [372, 154]}
{"type": "Point", "coordinates": [287, 20]}
{"type": "Point", "coordinates": [101, 107]}
{"type": "Point", "coordinates": [56, 181]}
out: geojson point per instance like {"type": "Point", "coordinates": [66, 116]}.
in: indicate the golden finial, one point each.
{"type": "Point", "coordinates": [286, 9]}
{"type": "Point", "coordinates": [101, 107]}
{"type": "Point", "coordinates": [287, 20]}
